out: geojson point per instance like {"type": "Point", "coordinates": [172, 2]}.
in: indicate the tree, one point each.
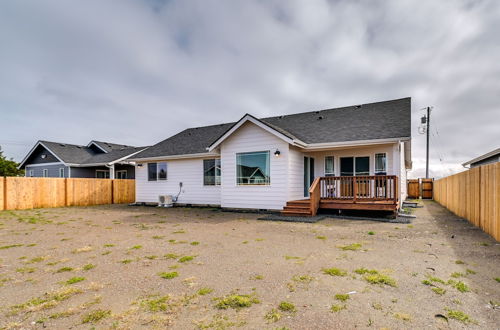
{"type": "Point", "coordinates": [8, 167]}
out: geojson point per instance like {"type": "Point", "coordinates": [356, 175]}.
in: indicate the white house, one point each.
{"type": "Point", "coordinates": [352, 157]}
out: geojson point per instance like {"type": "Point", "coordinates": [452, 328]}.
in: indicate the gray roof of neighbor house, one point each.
{"type": "Point", "coordinates": [83, 155]}
{"type": "Point", "coordinates": [373, 121]}
{"type": "Point", "coordinates": [495, 152]}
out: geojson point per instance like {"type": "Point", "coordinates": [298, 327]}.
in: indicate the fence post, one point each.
{"type": "Point", "coordinates": [4, 194]}
{"type": "Point", "coordinates": [112, 191]}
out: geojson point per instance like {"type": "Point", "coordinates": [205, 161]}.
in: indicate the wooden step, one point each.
{"type": "Point", "coordinates": [296, 208]}
{"type": "Point", "coordinates": [296, 213]}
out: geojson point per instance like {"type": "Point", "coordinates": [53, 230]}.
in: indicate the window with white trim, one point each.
{"type": "Point", "coordinates": [329, 171]}
{"type": "Point", "coordinates": [45, 172]}
{"type": "Point", "coordinates": [32, 173]}
{"type": "Point", "coordinates": [253, 168]}
{"type": "Point", "coordinates": [211, 172]}
{"type": "Point", "coordinates": [157, 171]}
{"type": "Point", "coordinates": [61, 172]}
{"type": "Point", "coordinates": [381, 164]}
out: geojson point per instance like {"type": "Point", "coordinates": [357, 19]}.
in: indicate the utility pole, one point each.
{"type": "Point", "coordinates": [428, 129]}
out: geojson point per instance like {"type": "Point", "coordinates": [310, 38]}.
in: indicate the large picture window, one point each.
{"type": "Point", "coordinates": [329, 166]}
{"type": "Point", "coordinates": [157, 171]}
{"type": "Point", "coordinates": [211, 172]}
{"type": "Point", "coordinates": [381, 164]}
{"type": "Point", "coordinates": [252, 168]}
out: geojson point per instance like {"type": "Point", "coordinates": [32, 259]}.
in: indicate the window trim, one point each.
{"type": "Point", "coordinates": [354, 164]}
{"type": "Point", "coordinates": [122, 171]}
{"type": "Point", "coordinates": [333, 166]}
{"type": "Point", "coordinates": [45, 173]}
{"type": "Point", "coordinates": [158, 172]}
{"type": "Point", "coordinates": [105, 171]}
{"type": "Point", "coordinates": [375, 164]}
{"type": "Point", "coordinates": [216, 183]}
{"type": "Point", "coordinates": [268, 153]}
{"type": "Point", "coordinates": [61, 171]}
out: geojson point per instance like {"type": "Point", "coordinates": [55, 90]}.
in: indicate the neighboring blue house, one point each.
{"type": "Point", "coordinates": [95, 160]}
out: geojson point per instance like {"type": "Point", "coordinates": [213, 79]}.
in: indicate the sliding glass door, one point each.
{"type": "Point", "coordinates": [308, 174]}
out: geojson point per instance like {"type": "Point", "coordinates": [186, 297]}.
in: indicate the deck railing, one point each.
{"type": "Point", "coordinates": [359, 188]}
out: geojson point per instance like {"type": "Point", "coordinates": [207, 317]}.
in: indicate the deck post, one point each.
{"type": "Point", "coordinates": [354, 188]}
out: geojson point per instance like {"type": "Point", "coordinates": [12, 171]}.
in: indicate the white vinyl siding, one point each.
{"type": "Point", "coordinates": [251, 138]}
{"type": "Point", "coordinates": [187, 171]}
{"type": "Point", "coordinates": [296, 174]}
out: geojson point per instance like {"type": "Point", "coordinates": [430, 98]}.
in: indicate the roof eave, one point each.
{"type": "Point", "coordinates": [182, 156]}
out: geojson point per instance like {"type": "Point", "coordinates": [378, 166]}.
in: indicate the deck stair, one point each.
{"type": "Point", "coordinates": [297, 208]}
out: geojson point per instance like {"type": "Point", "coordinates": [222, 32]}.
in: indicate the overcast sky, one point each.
{"type": "Point", "coordinates": [136, 72]}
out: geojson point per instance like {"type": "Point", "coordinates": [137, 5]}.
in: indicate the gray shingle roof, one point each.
{"type": "Point", "coordinates": [379, 120]}
{"type": "Point", "coordinates": [108, 146]}
{"type": "Point", "coordinates": [77, 154]}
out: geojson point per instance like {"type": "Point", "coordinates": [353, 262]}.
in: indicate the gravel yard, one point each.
{"type": "Point", "coordinates": [187, 268]}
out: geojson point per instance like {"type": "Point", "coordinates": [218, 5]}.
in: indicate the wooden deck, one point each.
{"type": "Point", "coordinates": [371, 193]}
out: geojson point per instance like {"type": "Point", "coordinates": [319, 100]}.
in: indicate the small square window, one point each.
{"type": "Point", "coordinates": [329, 166]}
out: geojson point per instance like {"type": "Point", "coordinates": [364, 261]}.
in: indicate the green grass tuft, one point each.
{"type": "Point", "coordinates": [286, 306]}
{"type": "Point", "coordinates": [74, 280]}
{"type": "Point", "coordinates": [273, 315]}
{"type": "Point", "coordinates": [168, 276]}
{"type": "Point", "coordinates": [351, 247]}
{"type": "Point", "coordinates": [236, 301]}
{"type": "Point", "coordinates": [371, 233]}
{"type": "Point", "coordinates": [380, 279]}
{"type": "Point", "coordinates": [334, 271]}
{"type": "Point", "coordinates": [460, 316]}
{"type": "Point", "coordinates": [362, 271]}
{"type": "Point", "coordinates": [337, 308]}
{"type": "Point", "coordinates": [439, 291]}
{"type": "Point", "coordinates": [96, 316]}
{"type": "Point", "coordinates": [342, 297]}
{"type": "Point", "coordinates": [321, 237]}
{"type": "Point", "coordinates": [88, 267]}
{"type": "Point", "coordinates": [186, 258]}
{"type": "Point", "coordinates": [204, 291]}
{"type": "Point", "coordinates": [195, 243]}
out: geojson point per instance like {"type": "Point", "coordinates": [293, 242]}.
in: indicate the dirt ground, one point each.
{"type": "Point", "coordinates": [123, 267]}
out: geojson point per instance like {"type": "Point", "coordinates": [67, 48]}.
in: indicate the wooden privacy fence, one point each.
{"type": "Point", "coordinates": [19, 193]}
{"type": "Point", "coordinates": [473, 195]}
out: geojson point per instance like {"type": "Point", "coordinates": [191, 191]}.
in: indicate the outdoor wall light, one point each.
{"type": "Point", "coordinates": [277, 153]}
{"type": "Point", "coordinates": [139, 165]}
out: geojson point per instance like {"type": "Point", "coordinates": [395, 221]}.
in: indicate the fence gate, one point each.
{"type": "Point", "coordinates": [427, 185]}
{"type": "Point", "coordinates": [413, 188]}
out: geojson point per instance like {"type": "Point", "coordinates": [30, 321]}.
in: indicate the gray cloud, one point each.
{"type": "Point", "coordinates": [137, 72]}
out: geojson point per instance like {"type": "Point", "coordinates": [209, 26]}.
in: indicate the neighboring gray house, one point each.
{"type": "Point", "coordinates": [488, 158]}
{"type": "Point", "coordinates": [95, 160]}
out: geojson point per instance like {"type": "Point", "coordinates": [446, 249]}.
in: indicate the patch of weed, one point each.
{"type": "Point", "coordinates": [126, 261]}
{"type": "Point", "coordinates": [334, 271]}
{"type": "Point", "coordinates": [337, 308]}
{"type": "Point", "coordinates": [302, 278]}
{"type": "Point", "coordinates": [342, 297]}
{"type": "Point", "coordinates": [456, 274]}
{"type": "Point", "coordinates": [5, 247]}
{"type": "Point", "coordinates": [153, 257]}
{"type": "Point", "coordinates": [88, 267]}
{"type": "Point", "coordinates": [168, 276]}
{"type": "Point", "coordinates": [460, 316]}
{"type": "Point", "coordinates": [236, 301]}
{"type": "Point", "coordinates": [109, 245]}
{"type": "Point", "coordinates": [439, 291]}
{"type": "Point", "coordinates": [136, 247]}
{"type": "Point", "coordinates": [204, 291]}
{"type": "Point", "coordinates": [470, 271]}
{"type": "Point", "coordinates": [351, 247]}
{"type": "Point", "coordinates": [273, 315]}
{"type": "Point", "coordinates": [185, 258]}
{"type": "Point", "coordinates": [362, 271]}
{"type": "Point", "coordinates": [96, 316]}
{"type": "Point", "coordinates": [459, 262]}
{"type": "Point", "coordinates": [321, 237]}
{"type": "Point", "coordinates": [182, 231]}
{"type": "Point", "coordinates": [83, 249]}
{"type": "Point", "coordinates": [26, 270]}
{"type": "Point", "coordinates": [158, 237]}
{"type": "Point", "coordinates": [257, 277]}
{"type": "Point", "coordinates": [171, 256]}
{"type": "Point", "coordinates": [155, 303]}
{"type": "Point", "coordinates": [286, 306]}
{"type": "Point", "coordinates": [371, 233]}
{"type": "Point", "coordinates": [74, 280]}
{"type": "Point", "coordinates": [380, 279]}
